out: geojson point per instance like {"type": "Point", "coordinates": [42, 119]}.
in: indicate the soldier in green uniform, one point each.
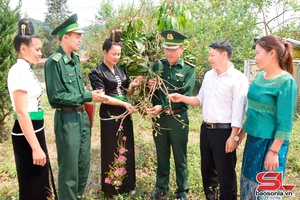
{"type": "Point", "coordinates": [66, 94]}
{"type": "Point", "coordinates": [177, 76]}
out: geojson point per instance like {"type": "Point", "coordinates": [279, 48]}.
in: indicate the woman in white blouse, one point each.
{"type": "Point", "coordinates": [32, 162]}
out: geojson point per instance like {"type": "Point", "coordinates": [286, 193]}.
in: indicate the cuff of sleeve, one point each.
{"type": "Point", "coordinates": [87, 96]}
{"type": "Point", "coordinates": [198, 97]}
{"type": "Point", "coordinates": [236, 124]}
{"type": "Point", "coordinates": [283, 135]}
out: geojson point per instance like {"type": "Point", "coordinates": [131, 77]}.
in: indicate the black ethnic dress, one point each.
{"type": "Point", "coordinates": [117, 141]}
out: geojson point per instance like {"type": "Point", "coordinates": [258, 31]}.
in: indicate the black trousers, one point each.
{"type": "Point", "coordinates": [217, 166]}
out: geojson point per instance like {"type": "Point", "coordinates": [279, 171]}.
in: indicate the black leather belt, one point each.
{"type": "Point", "coordinates": [71, 109]}
{"type": "Point", "coordinates": [217, 125]}
{"type": "Point", "coordinates": [174, 111]}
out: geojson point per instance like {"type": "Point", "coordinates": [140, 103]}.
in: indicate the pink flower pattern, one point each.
{"type": "Point", "coordinates": [121, 159]}
{"type": "Point", "coordinates": [120, 171]}
{"type": "Point", "coordinates": [118, 183]}
{"type": "Point", "coordinates": [117, 171]}
{"type": "Point", "coordinates": [107, 180]}
{"type": "Point", "coordinates": [122, 150]}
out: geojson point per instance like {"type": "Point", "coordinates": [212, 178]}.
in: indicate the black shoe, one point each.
{"type": "Point", "coordinates": [157, 195]}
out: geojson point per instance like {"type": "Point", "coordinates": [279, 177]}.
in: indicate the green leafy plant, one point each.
{"type": "Point", "coordinates": [9, 18]}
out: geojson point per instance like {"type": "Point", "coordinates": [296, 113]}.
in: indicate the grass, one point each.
{"type": "Point", "coordinates": [145, 159]}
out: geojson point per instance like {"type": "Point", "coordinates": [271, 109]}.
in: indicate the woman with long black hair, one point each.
{"type": "Point", "coordinates": [32, 162]}
{"type": "Point", "coordinates": [117, 141]}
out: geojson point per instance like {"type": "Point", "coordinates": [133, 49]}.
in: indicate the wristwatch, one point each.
{"type": "Point", "coordinates": [235, 137]}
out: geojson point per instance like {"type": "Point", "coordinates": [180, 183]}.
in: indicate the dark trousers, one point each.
{"type": "Point", "coordinates": [172, 136]}
{"type": "Point", "coordinates": [217, 166]}
{"type": "Point", "coordinates": [73, 142]}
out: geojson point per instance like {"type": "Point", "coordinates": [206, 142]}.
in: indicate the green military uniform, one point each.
{"type": "Point", "coordinates": [179, 78]}
{"type": "Point", "coordinates": [72, 129]}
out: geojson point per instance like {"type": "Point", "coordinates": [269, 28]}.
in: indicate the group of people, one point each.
{"type": "Point", "coordinates": [224, 96]}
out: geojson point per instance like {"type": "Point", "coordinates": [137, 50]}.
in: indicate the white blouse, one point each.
{"type": "Point", "coordinates": [21, 77]}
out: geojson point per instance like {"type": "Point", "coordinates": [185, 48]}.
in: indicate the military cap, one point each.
{"type": "Point", "coordinates": [69, 25]}
{"type": "Point", "coordinates": [25, 27]}
{"type": "Point", "coordinates": [173, 39]}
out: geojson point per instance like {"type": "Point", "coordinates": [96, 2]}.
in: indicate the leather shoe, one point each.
{"type": "Point", "coordinates": [157, 195]}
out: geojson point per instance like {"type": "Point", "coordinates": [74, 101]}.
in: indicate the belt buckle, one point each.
{"type": "Point", "coordinates": [209, 126]}
{"type": "Point", "coordinates": [80, 109]}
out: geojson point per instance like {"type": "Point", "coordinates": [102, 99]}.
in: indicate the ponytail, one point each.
{"type": "Point", "coordinates": [283, 49]}
{"type": "Point", "coordinates": [286, 62]}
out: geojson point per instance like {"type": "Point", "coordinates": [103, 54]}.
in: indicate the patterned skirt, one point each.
{"type": "Point", "coordinates": [255, 152]}
{"type": "Point", "coordinates": [112, 143]}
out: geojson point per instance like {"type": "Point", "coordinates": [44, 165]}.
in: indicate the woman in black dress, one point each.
{"type": "Point", "coordinates": [117, 141]}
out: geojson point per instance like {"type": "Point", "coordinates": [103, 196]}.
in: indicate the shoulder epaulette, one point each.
{"type": "Point", "coordinates": [57, 57]}
{"type": "Point", "coordinates": [192, 65]}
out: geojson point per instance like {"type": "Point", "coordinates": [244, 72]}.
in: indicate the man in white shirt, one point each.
{"type": "Point", "coordinates": [223, 98]}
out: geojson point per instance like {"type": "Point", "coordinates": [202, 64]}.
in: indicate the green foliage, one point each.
{"type": "Point", "coordinates": [216, 20]}
{"type": "Point", "coordinates": [173, 15]}
{"type": "Point", "coordinates": [293, 158]}
{"type": "Point", "coordinates": [202, 21]}
{"type": "Point", "coordinates": [50, 43]}
{"type": "Point", "coordinates": [57, 13]}
{"type": "Point", "coordinates": [8, 26]}
{"type": "Point", "coordinates": [106, 13]}
{"type": "Point", "coordinates": [139, 48]}
{"type": "Point", "coordinates": [141, 45]}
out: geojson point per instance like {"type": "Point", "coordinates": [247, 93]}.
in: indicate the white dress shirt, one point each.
{"type": "Point", "coordinates": [223, 97]}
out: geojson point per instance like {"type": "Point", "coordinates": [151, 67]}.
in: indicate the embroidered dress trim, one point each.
{"type": "Point", "coordinates": [119, 86]}
{"type": "Point", "coordinates": [262, 108]}
{"type": "Point", "coordinates": [260, 81]}
{"type": "Point", "coordinates": [283, 135]}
